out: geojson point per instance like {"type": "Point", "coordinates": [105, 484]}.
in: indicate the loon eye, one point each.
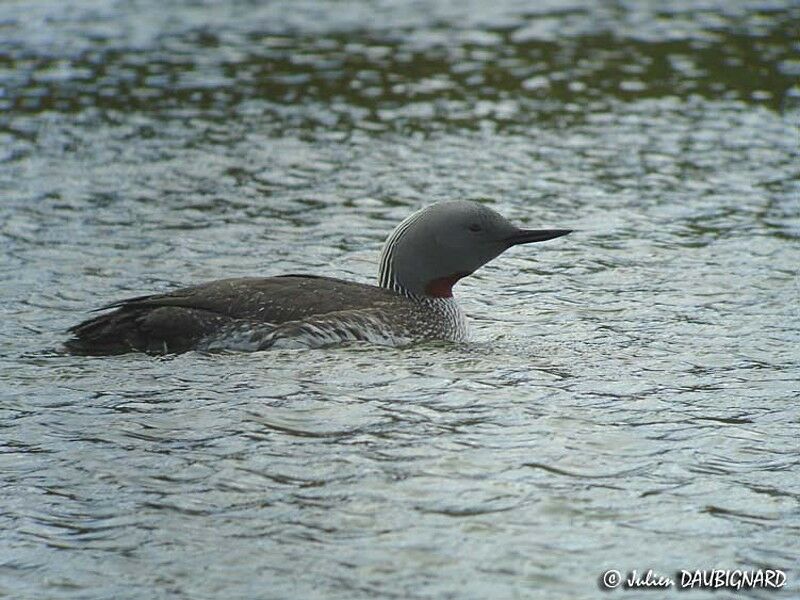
{"type": "Point", "coordinates": [475, 227]}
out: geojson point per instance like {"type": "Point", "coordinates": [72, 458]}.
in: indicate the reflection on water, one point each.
{"type": "Point", "coordinates": [390, 74]}
{"type": "Point", "coordinates": [629, 399]}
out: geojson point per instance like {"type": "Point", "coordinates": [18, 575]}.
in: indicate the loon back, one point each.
{"type": "Point", "coordinates": [178, 321]}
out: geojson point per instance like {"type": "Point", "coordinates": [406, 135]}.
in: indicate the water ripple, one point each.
{"type": "Point", "coordinates": [632, 387]}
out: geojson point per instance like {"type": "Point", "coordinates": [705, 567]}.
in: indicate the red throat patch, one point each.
{"type": "Point", "coordinates": [443, 286]}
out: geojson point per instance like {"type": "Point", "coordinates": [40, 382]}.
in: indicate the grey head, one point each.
{"type": "Point", "coordinates": [442, 243]}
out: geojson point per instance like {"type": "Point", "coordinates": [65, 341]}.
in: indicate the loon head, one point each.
{"type": "Point", "coordinates": [436, 246]}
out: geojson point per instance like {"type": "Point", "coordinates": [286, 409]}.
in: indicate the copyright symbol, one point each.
{"type": "Point", "coordinates": [611, 579]}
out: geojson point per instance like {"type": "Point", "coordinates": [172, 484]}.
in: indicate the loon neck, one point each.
{"type": "Point", "coordinates": [442, 287]}
{"type": "Point", "coordinates": [436, 289]}
{"type": "Point", "coordinates": [395, 286]}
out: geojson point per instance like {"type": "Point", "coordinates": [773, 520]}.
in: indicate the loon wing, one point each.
{"type": "Point", "coordinates": [177, 321]}
{"type": "Point", "coordinates": [272, 299]}
{"type": "Point", "coordinates": [158, 329]}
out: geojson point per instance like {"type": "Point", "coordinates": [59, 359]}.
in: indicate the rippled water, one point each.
{"type": "Point", "coordinates": [630, 396]}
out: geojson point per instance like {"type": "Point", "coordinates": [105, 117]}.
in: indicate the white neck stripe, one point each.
{"type": "Point", "coordinates": [387, 276]}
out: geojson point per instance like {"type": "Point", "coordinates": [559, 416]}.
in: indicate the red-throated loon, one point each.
{"type": "Point", "coordinates": [421, 261]}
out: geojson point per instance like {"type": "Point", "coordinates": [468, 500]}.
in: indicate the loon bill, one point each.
{"type": "Point", "coordinates": [421, 261]}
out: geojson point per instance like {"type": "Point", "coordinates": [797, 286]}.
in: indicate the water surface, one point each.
{"type": "Point", "coordinates": [629, 398]}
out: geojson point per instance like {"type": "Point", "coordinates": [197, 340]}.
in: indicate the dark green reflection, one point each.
{"type": "Point", "coordinates": [409, 78]}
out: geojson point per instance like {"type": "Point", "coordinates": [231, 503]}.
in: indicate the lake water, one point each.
{"type": "Point", "coordinates": [630, 398]}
